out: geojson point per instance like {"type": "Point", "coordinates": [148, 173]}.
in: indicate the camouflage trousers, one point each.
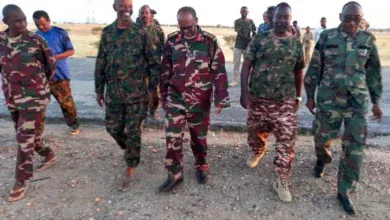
{"type": "Point", "coordinates": [198, 125]}
{"type": "Point", "coordinates": [123, 123]}
{"type": "Point", "coordinates": [237, 56]}
{"type": "Point", "coordinates": [63, 94]}
{"type": "Point", "coordinates": [29, 125]}
{"type": "Point", "coordinates": [277, 117]}
{"type": "Point", "coordinates": [326, 128]}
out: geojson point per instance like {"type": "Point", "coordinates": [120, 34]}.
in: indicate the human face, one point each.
{"type": "Point", "coordinates": [124, 9]}
{"type": "Point", "coordinates": [282, 19]}
{"type": "Point", "coordinates": [146, 15]}
{"type": "Point", "coordinates": [42, 24]}
{"type": "Point", "coordinates": [265, 17]}
{"type": "Point", "coordinates": [187, 24]}
{"type": "Point", "coordinates": [323, 23]}
{"type": "Point", "coordinates": [350, 19]}
{"type": "Point", "coordinates": [307, 29]}
{"type": "Point", "coordinates": [16, 22]}
{"type": "Point", "coordinates": [244, 12]}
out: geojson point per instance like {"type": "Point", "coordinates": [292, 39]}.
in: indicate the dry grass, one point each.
{"type": "Point", "coordinates": [85, 36]}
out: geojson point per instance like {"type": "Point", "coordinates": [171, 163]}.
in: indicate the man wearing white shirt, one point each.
{"type": "Point", "coordinates": [318, 31]}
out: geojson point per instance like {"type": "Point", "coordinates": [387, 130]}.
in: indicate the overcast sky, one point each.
{"type": "Point", "coordinates": [210, 12]}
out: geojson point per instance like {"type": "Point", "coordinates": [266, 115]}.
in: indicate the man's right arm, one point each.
{"type": "Point", "coordinates": [101, 63]}
{"type": "Point", "coordinates": [165, 72]}
{"type": "Point", "coordinates": [249, 57]}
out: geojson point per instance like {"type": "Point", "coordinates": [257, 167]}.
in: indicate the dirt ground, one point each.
{"type": "Point", "coordinates": [83, 184]}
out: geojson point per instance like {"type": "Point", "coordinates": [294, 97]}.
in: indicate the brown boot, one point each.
{"type": "Point", "coordinates": [127, 179]}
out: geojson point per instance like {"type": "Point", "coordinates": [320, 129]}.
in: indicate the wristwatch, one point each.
{"type": "Point", "coordinates": [299, 98]}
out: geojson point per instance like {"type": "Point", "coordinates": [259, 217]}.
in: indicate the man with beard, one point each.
{"type": "Point", "coordinates": [274, 63]}
{"type": "Point", "coordinates": [346, 68]}
{"type": "Point", "coordinates": [157, 39]}
{"type": "Point", "coordinates": [126, 56]}
{"type": "Point", "coordinates": [26, 65]}
{"type": "Point", "coordinates": [244, 27]}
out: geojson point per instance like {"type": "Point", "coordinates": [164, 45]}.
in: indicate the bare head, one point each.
{"type": "Point", "coordinates": [282, 18]}
{"type": "Point", "coordinates": [15, 19]}
{"type": "Point", "coordinates": [124, 9]}
{"type": "Point", "coordinates": [42, 21]}
{"type": "Point", "coordinates": [350, 17]}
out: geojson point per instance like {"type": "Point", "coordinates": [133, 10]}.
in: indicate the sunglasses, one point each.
{"type": "Point", "coordinates": [188, 28]}
{"type": "Point", "coordinates": [355, 19]}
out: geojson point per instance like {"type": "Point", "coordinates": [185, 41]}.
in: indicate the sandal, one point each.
{"type": "Point", "coordinates": [16, 195]}
{"type": "Point", "coordinates": [46, 163]}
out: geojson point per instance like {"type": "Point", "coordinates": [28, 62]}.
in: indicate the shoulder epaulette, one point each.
{"type": "Point", "coordinates": [209, 35]}
{"type": "Point", "coordinates": [174, 34]}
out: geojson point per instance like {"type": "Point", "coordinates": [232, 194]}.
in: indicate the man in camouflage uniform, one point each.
{"type": "Point", "coordinates": [157, 39]}
{"type": "Point", "coordinates": [274, 63]}
{"type": "Point", "coordinates": [125, 58]}
{"type": "Point", "coordinates": [244, 27]}
{"type": "Point", "coordinates": [193, 68]}
{"type": "Point", "coordinates": [26, 65]}
{"type": "Point", "coordinates": [346, 68]}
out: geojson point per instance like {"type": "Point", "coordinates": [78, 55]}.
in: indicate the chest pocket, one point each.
{"type": "Point", "coordinates": [202, 61]}
{"type": "Point", "coordinates": [362, 55]}
{"type": "Point", "coordinates": [133, 57]}
{"type": "Point", "coordinates": [27, 57]}
{"type": "Point", "coordinates": [330, 54]}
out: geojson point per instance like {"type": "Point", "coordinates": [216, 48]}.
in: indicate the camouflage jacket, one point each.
{"type": "Point", "coordinates": [123, 62]}
{"type": "Point", "coordinates": [191, 71]}
{"type": "Point", "coordinates": [156, 36]}
{"type": "Point", "coordinates": [26, 67]}
{"type": "Point", "coordinates": [246, 27]}
{"type": "Point", "coordinates": [343, 65]}
{"type": "Point", "coordinates": [274, 62]}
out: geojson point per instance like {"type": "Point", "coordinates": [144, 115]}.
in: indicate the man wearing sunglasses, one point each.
{"type": "Point", "coordinates": [346, 68]}
{"type": "Point", "coordinates": [192, 70]}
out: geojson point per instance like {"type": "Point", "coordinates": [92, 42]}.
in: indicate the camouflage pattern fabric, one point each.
{"type": "Point", "coordinates": [278, 117]}
{"type": "Point", "coordinates": [156, 37]}
{"type": "Point", "coordinates": [122, 64]}
{"type": "Point", "coordinates": [29, 127]}
{"type": "Point", "coordinates": [198, 124]}
{"type": "Point", "coordinates": [26, 66]}
{"type": "Point", "coordinates": [274, 62]}
{"type": "Point", "coordinates": [192, 71]}
{"type": "Point", "coordinates": [123, 123]}
{"type": "Point", "coordinates": [347, 71]}
{"type": "Point", "coordinates": [246, 27]}
{"type": "Point", "coordinates": [63, 94]}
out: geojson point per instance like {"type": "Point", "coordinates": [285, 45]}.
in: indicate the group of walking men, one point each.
{"type": "Point", "coordinates": [134, 59]}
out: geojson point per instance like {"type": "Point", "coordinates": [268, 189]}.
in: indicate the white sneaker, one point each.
{"type": "Point", "coordinates": [253, 160]}
{"type": "Point", "coordinates": [232, 84]}
{"type": "Point", "coordinates": [282, 190]}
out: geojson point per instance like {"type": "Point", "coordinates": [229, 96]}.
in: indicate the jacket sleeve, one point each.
{"type": "Point", "coordinates": [153, 59]}
{"type": "Point", "coordinates": [374, 78]}
{"type": "Point", "coordinates": [100, 66]}
{"type": "Point", "coordinates": [219, 77]}
{"type": "Point", "coordinates": [165, 71]}
{"type": "Point", "coordinates": [314, 72]}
